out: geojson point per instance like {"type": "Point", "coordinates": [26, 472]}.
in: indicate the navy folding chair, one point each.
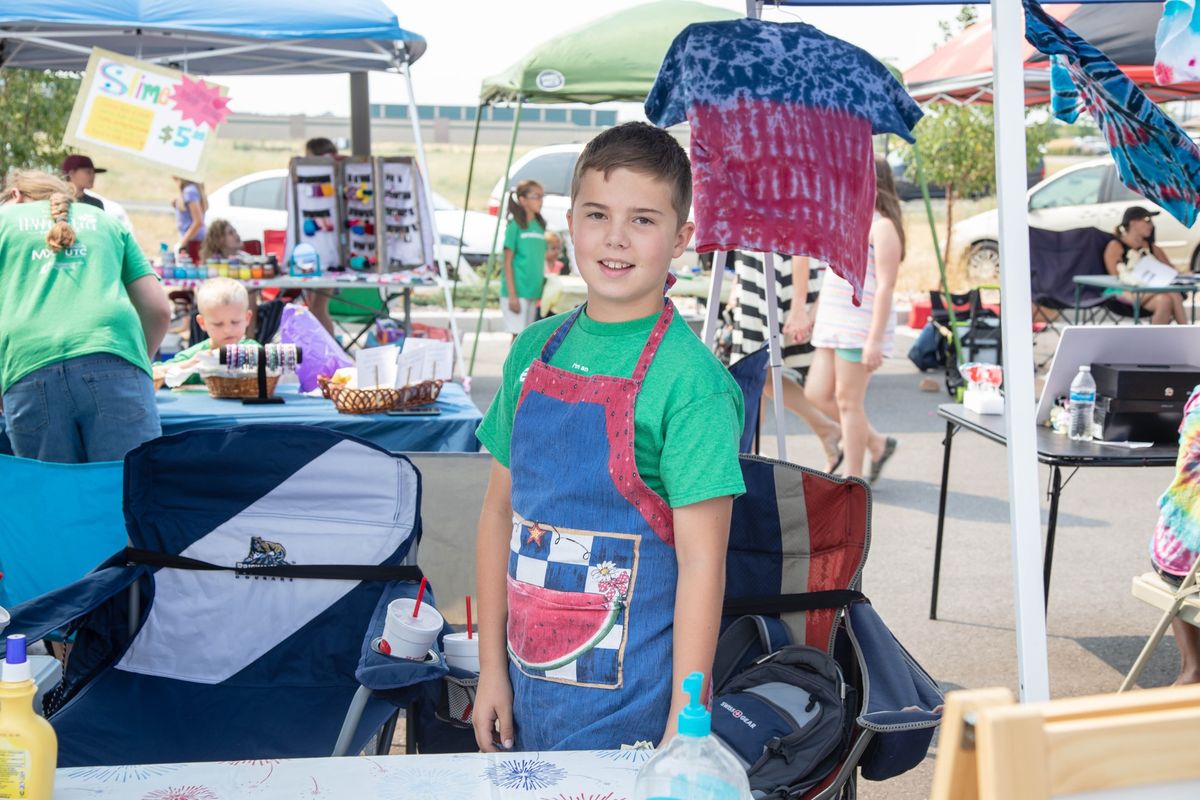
{"type": "Point", "coordinates": [261, 557]}
{"type": "Point", "coordinates": [750, 373]}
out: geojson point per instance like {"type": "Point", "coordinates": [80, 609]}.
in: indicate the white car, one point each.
{"type": "Point", "coordinates": [552, 167]}
{"type": "Point", "coordinates": [1085, 195]}
{"type": "Point", "coordinates": [255, 202]}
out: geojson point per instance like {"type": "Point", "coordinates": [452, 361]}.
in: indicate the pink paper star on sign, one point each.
{"type": "Point", "coordinates": [200, 101]}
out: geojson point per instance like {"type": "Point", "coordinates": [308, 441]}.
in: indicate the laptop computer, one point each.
{"type": "Point", "coordinates": [1115, 344]}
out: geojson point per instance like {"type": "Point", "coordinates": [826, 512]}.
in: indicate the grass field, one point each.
{"type": "Point", "coordinates": [128, 180]}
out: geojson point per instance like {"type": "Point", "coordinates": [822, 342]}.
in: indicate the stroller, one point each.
{"type": "Point", "coordinates": [798, 542]}
{"type": "Point", "coordinates": [233, 627]}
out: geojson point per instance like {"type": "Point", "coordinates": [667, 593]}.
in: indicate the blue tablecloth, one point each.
{"type": "Point", "coordinates": [453, 430]}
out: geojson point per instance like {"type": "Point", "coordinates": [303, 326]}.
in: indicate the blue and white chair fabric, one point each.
{"type": "Point", "coordinates": [260, 556]}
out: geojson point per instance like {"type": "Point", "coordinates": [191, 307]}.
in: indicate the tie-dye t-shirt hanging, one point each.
{"type": "Point", "coordinates": [1154, 156]}
{"type": "Point", "coordinates": [781, 119]}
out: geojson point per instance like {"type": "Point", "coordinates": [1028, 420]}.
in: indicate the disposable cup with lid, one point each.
{"type": "Point", "coordinates": [461, 652]}
{"type": "Point", "coordinates": [406, 636]}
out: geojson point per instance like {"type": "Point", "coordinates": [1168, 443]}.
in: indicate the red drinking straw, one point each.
{"type": "Point", "coordinates": [468, 616]}
{"type": "Point", "coordinates": [420, 594]}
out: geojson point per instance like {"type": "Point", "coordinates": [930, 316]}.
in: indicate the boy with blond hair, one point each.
{"type": "Point", "coordinates": [224, 314]}
{"type": "Point", "coordinates": [601, 546]}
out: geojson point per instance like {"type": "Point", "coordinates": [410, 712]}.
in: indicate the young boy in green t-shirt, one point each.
{"type": "Point", "coordinates": [601, 547]}
{"type": "Point", "coordinates": [224, 314]}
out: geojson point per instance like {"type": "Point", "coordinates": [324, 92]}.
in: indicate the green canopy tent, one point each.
{"type": "Point", "coordinates": [614, 58]}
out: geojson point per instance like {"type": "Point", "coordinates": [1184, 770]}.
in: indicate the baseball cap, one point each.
{"type": "Point", "coordinates": [74, 162]}
{"type": "Point", "coordinates": [1137, 212]}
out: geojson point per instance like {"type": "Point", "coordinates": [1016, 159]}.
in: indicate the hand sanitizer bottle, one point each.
{"type": "Point", "coordinates": [694, 765]}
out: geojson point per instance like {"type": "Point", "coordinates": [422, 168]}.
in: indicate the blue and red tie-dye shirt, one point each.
{"type": "Point", "coordinates": [781, 120]}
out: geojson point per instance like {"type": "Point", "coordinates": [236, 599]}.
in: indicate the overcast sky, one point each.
{"type": "Point", "coordinates": [471, 39]}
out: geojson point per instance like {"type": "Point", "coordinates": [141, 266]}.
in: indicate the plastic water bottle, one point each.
{"type": "Point", "coordinates": [1082, 405]}
{"type": "Point", "coordinates": [694, 765]}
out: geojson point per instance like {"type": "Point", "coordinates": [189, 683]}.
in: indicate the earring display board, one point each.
{"type": "Point", "coordinates": [360, 204]}
{"type": "Point", "coordinates": [406, 243]}
{"type": "Point", "coordinates": [368, 213]}
{"type": "Point", "coordinates": [315, 210]}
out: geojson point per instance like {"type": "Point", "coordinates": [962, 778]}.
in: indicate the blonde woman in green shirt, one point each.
{"type": "Point", "coordinates": [80, 313]}
{"type": "Point", "coordinates": [524, 257]}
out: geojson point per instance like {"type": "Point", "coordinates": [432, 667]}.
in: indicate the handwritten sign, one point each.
{"type": "Point", "coordinates": [158, 115]}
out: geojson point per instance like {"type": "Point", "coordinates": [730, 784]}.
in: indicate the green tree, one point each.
{"type": "Point", "coordinates": [958, 152]}
{"type": "Point", "coordinates": [34, 108]}
{"type": "Point", "coordinates": [967, 16]}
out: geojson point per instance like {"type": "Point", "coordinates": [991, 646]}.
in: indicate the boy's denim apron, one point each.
{"type": "Point", "coordinates": [591, 568]}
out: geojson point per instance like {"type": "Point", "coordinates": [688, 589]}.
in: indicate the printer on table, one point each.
{"type": "Point", "coordinates": [1142, 402]}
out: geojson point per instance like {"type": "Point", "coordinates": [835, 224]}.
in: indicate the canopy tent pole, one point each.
{"type": "Point", "coordinates": [360, 115]}
{"type": "Point", "coordinates": [487, 277]}
{"type": "Point", "coordinates": [462, 231]}
{"type": "Point", "coordinates": [1008, 29]}
{"type": "Point", "coordinates": [775, 352]}
{"type": "Point", "coordinates": [416, 126]}
{"type": "Point", "coordinates": [709, 333]}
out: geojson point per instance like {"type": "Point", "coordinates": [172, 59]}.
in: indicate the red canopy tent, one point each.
{"type": "Point", "coordinates": [960, 71]}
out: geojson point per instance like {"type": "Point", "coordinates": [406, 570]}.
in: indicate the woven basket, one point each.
{"type": "Point", "coordinates": [377, 401]}
{"type": "Point", "coordinates": [237, 388]}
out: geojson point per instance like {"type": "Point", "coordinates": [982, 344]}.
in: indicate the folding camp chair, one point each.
{"type": "Point", "coordinates": [798, 541]}
{"type": "Point", "coordinates": [750, 373]}
{"type": "Point", "coordinates": [1183, 602]}
{"type": "Point", "coordinates": [261, 556]}
{"type": "Point", "coordinates": [1055, 258]}
{"type": "Point", "coordinates": [60, 521]}
{"type": "Point", "coordinates": [354, 311]}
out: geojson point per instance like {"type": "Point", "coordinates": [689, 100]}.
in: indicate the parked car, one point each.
{"type": "Point", "coordinates": [1085, 195]}
{"type": "Point", "coordinates": [908, 188]}
{"type": "Point", "coordinates": [255, 202]}
{"type": "Point", "coordinates": [552, 167]}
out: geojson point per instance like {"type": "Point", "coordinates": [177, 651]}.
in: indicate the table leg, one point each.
{"type": "Point", "coordinates": [1137, 307]}
{"type": "Point", "coordinates": [951, 428]}
{"type": "Point", "coordinates": [408, 311]}
{"type": "Point", "coordinates": [1193, 308]}
{"type": "Point", "coordinates": [1078, 295]}
{"type": "Point", "coordinates": [1051, 528]}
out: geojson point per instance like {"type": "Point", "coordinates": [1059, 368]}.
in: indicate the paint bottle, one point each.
{"type": "Point", "coordinates": [28, 746]}
{"type": "Point", "coordinates": [695, 765]}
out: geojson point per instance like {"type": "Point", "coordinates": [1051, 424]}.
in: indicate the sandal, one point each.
{"type": "Point", "coordinates": [889, 449]}
{"type": "Point", "coordinates": [837, 461]}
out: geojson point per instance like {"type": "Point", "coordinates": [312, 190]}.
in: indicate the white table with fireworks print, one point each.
{"type": "Point", "coordinates": [591, 775]}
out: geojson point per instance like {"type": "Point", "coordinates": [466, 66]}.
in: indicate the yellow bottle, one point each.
{"type": "Point", "coordinates": [28, 746]}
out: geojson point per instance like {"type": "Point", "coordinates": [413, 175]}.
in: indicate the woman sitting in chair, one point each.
{"type": "Point", "coordinates": [1132, 241]}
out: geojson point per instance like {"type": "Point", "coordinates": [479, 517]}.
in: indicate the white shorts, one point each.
{"type": "Point", "coordinates": [517, 321]}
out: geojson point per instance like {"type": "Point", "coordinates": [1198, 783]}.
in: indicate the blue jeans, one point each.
{"type": "Point", "coordinates": [91, 408]}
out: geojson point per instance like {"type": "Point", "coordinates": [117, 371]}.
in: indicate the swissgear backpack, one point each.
{"type": "Point", "coordinates": [783, 709]}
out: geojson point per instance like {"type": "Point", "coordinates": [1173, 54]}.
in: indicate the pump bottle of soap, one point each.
{"type": "Point", "coordinates": [695, 765]}
{"type": "Point", "coordinates": [28, 746]}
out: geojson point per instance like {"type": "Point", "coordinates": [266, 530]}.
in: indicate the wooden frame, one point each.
{"type": "Point", "coordinates": [994, 749]}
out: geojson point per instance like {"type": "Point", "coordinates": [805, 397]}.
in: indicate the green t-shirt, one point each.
{"type": "Point", "coordinates": [199, 347]}
{"type": "Point", "coordinates": [56, 306]}
{"type": "Point", "coordinates": [528, 246]}
{"type": "Point", "coordinates": [688, 417]}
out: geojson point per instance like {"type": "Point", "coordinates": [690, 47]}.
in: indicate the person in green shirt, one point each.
{"type": "Point", "coordinates": [81, 313]}
{"type": "Point", "coordinates": [524, 257]}
{"type": "Point", "coordinates": [224, 306]}
{"type": "Point", "coordinates": [600, 558]}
